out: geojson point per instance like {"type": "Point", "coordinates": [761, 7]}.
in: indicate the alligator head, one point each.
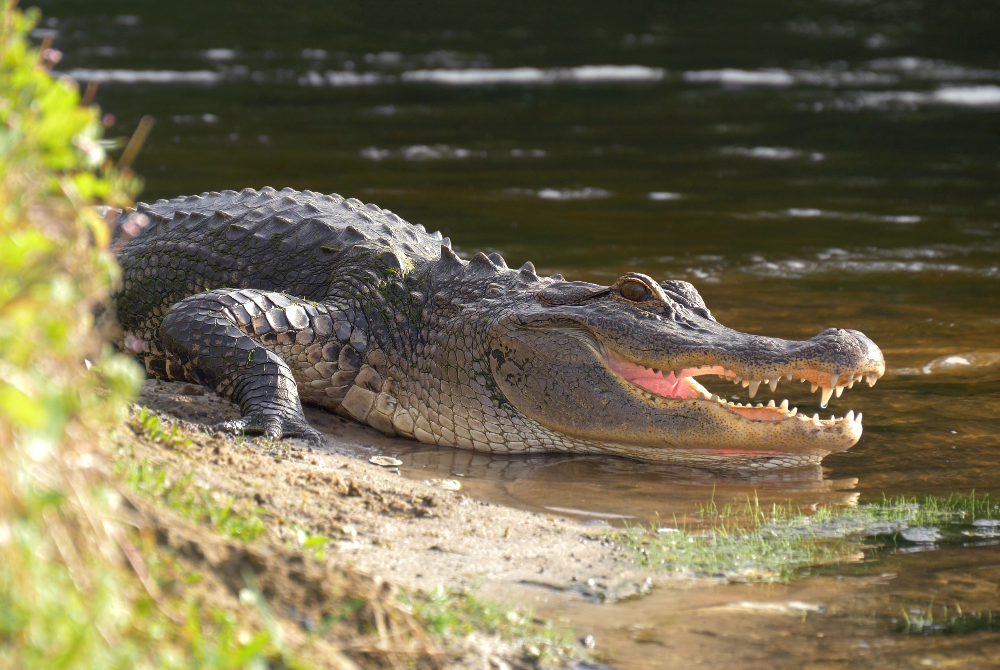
{"type": "Point", "coordinates": [618, 365]}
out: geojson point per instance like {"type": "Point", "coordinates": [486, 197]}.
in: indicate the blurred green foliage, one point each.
{"type": "Point", "coordinates": [68, 597]}
{"type": "Point", "coordinates": [54, 265]}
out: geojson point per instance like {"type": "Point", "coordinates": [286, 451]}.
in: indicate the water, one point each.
{"type": "Point", "coordinates": [805, 165]}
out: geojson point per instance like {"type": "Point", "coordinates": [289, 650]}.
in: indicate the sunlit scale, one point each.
{"type": "Point", "coordinates": [681, 384]}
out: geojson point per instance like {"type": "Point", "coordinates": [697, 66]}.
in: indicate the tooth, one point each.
{"type": "Point", "coordinates": [840, 389]}
{"type": "Point", "coordinates": [850, 384]}
{"type": "Point", "coordinates": [849, 416]}
{"type": "Point", "coordinates": [795, 410]}
{"type": "Point", "coordinates": [812, 387]}
{"type": "Point", "coordinates": [825, 396]}
{"type": "Point", "coordinates": [816, 417]}
{"type": "Point", "coordinates": [833, 380]}
{"type": "Point", "coordinates": [833, 418]}
{"type": "Point", "coordinates": [770, 403]}
{"type": "Point", "coordinates": [737, 379]}
{"type": "Point", "coordinates": [789, 376]}
{"type": "Point", "coordinates": [859, 417]}
{"type": "Point", "coordinates": [760, 404]}
{"type": "Point", "coordinates": [773, 384]}
{"type": "Point", "coordinates": [753, 387]}
{"type": "Point", "coordinates": [784, 404]}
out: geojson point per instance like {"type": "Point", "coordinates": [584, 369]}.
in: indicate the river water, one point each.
{"type": "Point", "coordinates": [805, 165]}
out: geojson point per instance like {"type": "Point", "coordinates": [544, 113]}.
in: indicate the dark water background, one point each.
{"type": "Point", "coordinates": [805, 164]}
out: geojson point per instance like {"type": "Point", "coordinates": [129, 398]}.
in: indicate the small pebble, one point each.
{"type": "Point", "coordinates": [385, 461]}
{"type": "Point", "coordinates": [446, 484]}
{"type": "Point", "coordinates": [594, 522]}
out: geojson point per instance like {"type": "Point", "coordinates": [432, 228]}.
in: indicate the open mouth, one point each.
{"type": "Point", "coordinates": [656, 385]}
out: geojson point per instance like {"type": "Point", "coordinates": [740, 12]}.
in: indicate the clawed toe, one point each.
{"type": "Point", "coordinates": [272, 427]}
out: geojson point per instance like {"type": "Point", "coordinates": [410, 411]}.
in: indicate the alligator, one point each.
{"type": "Point", "coordinates": [272, 299]}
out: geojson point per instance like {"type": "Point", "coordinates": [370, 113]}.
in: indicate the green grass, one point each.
{"type": "Point", "coordinates": [63, 626]}
{"type": "Point", "coordinates": [313, 543]}
{"type": "Point", "coordinates": [751, 542]}
{"type": "Point", "coordinates": [189, 499]}
{"type": "Point", "coordinates": [149, 427]}
{"type": "Point", "coordinates": [454, 614]}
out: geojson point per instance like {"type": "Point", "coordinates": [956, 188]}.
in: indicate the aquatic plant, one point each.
{"type": "Point", "coordinates": [943, 620]}
{"type": "Point", "coordinates": [753, 542]}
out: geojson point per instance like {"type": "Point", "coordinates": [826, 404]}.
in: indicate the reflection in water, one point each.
{"type": "Point", "coordinates": [611, 487]}
{"type": "Point", "coordinates": [591, 486]}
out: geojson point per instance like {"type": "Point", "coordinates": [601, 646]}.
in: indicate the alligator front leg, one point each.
{"type": "Point", "coordinates": [220, 339]}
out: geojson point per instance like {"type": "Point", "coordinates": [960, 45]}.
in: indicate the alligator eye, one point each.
{"type": "Point", "coordinates": [634, 290]}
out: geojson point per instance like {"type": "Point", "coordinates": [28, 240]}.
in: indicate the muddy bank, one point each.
{"type": "Point", "coordinates": [415, 533]}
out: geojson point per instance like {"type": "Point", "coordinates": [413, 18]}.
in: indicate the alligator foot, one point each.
{"type": "Point", "coordinates": [273, 426]}
{"type": "Point", "coordinates": [204, 342]}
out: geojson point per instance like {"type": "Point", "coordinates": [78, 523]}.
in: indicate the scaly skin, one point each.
{"type": "Point", "coordinates": [273, 298]}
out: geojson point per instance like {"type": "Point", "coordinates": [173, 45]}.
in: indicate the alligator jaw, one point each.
{"type": "Point", "coordinates": [656, 386]}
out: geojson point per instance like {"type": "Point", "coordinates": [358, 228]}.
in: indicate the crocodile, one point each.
{"type": "Point", "coordinates": [272, 299]}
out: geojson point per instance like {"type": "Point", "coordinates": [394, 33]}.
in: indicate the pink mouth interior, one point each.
{"type": "Point", "coordinates": [669, 386]}
{"type": "Point", "coordinates": [665, 385]}
{"type": "Point", "coordinates": [683, 385]}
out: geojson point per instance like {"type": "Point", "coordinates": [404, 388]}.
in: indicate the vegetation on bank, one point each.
{"type": "Point", "coordinates": [749, 542]}
{"type": "Point", "coordinates": [449, 616]}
